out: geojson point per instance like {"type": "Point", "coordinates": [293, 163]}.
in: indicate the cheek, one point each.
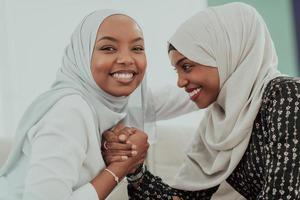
{"type": "Point", "coordinates": [142, 66]}
{"type": "Point", "coordinates": [100, 68]}
{"type": "Point", "coordinates": [99, 65]}
{"type": "Point", "coordinates": [100, 74]}
{"type": "Point", "coordinates": [102, 62]}
{"type": "Point", "coordinates": [216, 81]}
{"type": "Point", "coordinates": [142, 63]}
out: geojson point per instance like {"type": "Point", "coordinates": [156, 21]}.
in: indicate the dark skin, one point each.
{"type": "Point", "coordinates": [122, 141]}
{"type": "Point", "coordinates": [118, 64]}
{"type": "Point", "coordinates": [104, 182]}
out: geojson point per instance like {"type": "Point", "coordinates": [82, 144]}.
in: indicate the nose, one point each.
{"type": "Point", "coordinates": [181, 81]}
{"type": "Point", "coordinates": [125, 57]}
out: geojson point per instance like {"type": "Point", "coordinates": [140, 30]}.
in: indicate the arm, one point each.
{"type": "Point", "coordinates": [152, 187]}
{"type": "Point", "coordinates": [170, 102]}
{"type": "Point", "coordinates": [144, 185]}
{"type": "Point", "coordinates": [280, 114]}
{"type": "Point", "coordinates": [130, 164]}
{"type": "Point", "coordinates": [58, 152]}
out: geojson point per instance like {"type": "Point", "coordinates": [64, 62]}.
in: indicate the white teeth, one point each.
{"type": "Point", "coordinates": [123, 75]}
{"type": "Point", "coordinates": [192, 93]}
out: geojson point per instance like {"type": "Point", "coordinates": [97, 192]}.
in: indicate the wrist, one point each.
{"type": "Point", "coordinates": [120, 169]}
{"type": "Point", "coordinates": [137, 175]}
{"type": "Point", "coordinates": [116, 178]}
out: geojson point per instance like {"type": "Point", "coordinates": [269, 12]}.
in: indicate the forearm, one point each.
{"type": "Point", "coordinates": [105, 182]}
{"type": "Point", "coordinates": [171, 102]}
{"type": "Point", "coordinates": [152, 187]}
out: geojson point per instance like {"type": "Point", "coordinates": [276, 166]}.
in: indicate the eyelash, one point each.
{"type": "Point", "coordinates": [186, 67]}
{"type": "Point", "coordinates": [108, 49]}
{"type": "Point", "coordinates": [111, 49]}
{"type": "Point", "coordinates": [138, 49]}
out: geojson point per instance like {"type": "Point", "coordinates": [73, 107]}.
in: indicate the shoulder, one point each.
{"type": "Point", "coordinates": [70, 119]}
{"type": "Point", "coordinates": [282, 85]}
{"type": "Point", "coordinates": [71, 104]}
{"type": "Point", "coordinates": [281, 89]}
{"type": "Point", "coordinates": [74, 101]}
{"type": "Point", "coordinates": [69, 111]}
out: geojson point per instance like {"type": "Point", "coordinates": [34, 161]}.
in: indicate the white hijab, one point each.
{"type": "Point", "coordinates": [75, 77]}
{"type": "Point", "coordinates": [234, 38]}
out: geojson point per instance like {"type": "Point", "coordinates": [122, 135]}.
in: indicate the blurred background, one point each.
{"type": "Point", "coordinates": [34, 33]}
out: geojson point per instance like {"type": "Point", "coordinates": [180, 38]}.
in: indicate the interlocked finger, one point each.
{"type": "Point", "coordinates": [119, 146]}
{"type": "Point", "coordinates": [117, 128]}
{"type": "Point", "coordinates": [111, 159]}
{"type": "Point", "coordinates": [128, 130]}
{"type": "Point", "coordinates": [109, 136]}
{"type": "Point", "coordinates": [119, 153]}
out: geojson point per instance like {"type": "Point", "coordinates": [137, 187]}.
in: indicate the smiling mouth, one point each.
{"type": "Point", "coordinates": [123, 76]}
{"type": "Point", "coordinates": [194, 93]}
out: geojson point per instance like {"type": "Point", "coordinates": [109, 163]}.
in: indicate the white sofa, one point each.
{"type": "Point", "coordinates": [164, 159]}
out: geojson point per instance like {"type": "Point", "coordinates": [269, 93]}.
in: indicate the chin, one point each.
{"type": "Point", "coordinates": [205, 104]}
{"type": "Point", "coordinates": [123, 92]}
{"type": "Point", "coordinates": [201, 105]}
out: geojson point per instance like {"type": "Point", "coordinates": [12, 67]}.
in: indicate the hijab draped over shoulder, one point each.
{"type": "Point", "coordinates": [233, 38]}
{"type": "Point", "coordinates": [75, 77]}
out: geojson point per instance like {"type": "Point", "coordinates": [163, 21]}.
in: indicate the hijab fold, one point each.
{"type": "Point", "coordinates": [233, 38]}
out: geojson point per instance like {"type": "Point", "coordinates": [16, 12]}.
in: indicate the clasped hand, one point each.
{"type": "Point", "coordinates": [124, 144]}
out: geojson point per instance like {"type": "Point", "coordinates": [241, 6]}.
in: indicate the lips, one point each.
{"type": "Point", "coordinates": [194, 93]}
{"type": "Point", "coordinates": [123, 76]}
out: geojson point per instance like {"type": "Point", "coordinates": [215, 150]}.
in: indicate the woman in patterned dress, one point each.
{"type": "Point", "coordinates": [226, 61]}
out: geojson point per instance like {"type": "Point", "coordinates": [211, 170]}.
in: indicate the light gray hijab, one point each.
{"type": "Point", "coordinates": [234, 38]}
{"type": "Point", "coordinates": [75, 77]}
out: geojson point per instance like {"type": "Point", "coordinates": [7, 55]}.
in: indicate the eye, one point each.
{"type": "Point", "coordinates": [138, 49]}
{"type": "Point", "coordinates": [108, 49]}
{"type": "Point", "coordinates": [186, 67]}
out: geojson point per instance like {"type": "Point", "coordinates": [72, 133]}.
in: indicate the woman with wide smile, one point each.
{"type": "Point", "coordinates": [119, 60]}
{"type": "Point", "coordinates": [199, 81]}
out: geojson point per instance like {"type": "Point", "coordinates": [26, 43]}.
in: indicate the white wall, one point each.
{"type": "Point", "coordinates": [34, 33]}
{"type": "Point", "coordinates": [6, 109]}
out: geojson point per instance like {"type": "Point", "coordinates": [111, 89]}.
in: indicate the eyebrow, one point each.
{"type": "Point", "coordinates": [180, 60]}
{"type": "Point", "coordinates": [107, 38]}
{"type": "Point", "coordinates": [138, 39]}
{"type": "Point", "coordinates": [115, 40]}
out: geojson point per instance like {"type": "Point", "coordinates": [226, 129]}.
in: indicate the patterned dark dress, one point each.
{"type": "Point", "coordinates": [270, 167]}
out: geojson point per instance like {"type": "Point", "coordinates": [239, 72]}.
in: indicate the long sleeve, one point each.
{"type": "Point", "coordinates": [281, 120]}
{"type": "Point", "coordinates": [58, 153]}
{"type": "Point", "coordinates": [170, 102]}
{"type": "Point", "coordinates": [152, 187]}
